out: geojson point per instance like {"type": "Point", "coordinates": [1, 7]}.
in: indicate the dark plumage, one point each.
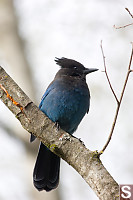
{"type": "Point", "coordinates": [66, 101]}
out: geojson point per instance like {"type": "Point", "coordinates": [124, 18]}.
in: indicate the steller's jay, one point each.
{"type": "Point", "coordinates": [66, 101]}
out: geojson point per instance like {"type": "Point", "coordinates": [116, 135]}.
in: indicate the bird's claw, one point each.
{"type": "Point", "coordinates": [56, 124]}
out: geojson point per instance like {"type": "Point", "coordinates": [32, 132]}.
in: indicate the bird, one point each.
{"type": "Point", "coordinates": [65, 102]}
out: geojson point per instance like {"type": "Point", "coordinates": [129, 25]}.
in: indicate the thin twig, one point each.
{"type": "Point", "coordinates": [122, 26]}
{"type": "Point", "coordinates": [118, 102]}
{"type": "Point", "coordinates": [129, 12]}
{"type": "Point", "coordinates": [107, 74]}
{"type": "Point", "coordinates": [128, 72]}
{"type": "Point", "coordinates": [119, 27]}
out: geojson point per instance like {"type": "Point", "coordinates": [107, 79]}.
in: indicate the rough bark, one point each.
{"type": "Point", "coordinates": [69, 148]}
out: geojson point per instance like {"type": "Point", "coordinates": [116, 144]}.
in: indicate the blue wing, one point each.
{"type": "Point", "coordinates": [45, 94]}
{"type": "Point", "coordinates": [32, 138]}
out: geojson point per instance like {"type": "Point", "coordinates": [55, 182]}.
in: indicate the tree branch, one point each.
{"type": "Point", "coordinates": [126, 24]}
{"type": "Point", "coordinates": [119, 27]}
{"type": "Point", "coordinates": [117, 100]}
{"type": "Point", "coordinates": [72, 150]}
{"type": "Point", "coordinates": [105, 70]}
{"type": "Point", "coordinates": [129, 12]}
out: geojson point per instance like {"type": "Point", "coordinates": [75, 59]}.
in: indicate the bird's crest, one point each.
{"type": "Point", "coordinates": [68, 63]}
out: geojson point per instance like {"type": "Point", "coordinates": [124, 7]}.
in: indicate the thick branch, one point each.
{"type": "Point", "coordinates": [72, 150]}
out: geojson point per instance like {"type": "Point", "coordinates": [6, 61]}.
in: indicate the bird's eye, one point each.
{"type": "Point", "coordinates": [75, 67]}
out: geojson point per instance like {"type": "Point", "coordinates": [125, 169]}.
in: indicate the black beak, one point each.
{"type": "Point", "coordinates": [87, 70]}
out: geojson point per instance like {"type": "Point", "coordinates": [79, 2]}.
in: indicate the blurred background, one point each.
{"type": "Point", "coordinates": [32, 34]}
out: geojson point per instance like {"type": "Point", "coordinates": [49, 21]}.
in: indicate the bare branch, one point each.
{"type": "Point", "coordinates": [119, 27]}
{"type": "Point", "coordinates": [118, 101]}
{"type": "Point", "coordinates": [72, 150]}
{"type": "Point", "coordinates": [107, 74]}
{"type": "Point", "coordinates": [129, 12]}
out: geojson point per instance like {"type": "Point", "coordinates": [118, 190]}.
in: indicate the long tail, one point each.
{"type": "Point", "coordinates": [46, 171]}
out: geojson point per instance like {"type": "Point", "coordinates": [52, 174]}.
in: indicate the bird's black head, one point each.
{"type": "Point", "coordinates": [72, 68]}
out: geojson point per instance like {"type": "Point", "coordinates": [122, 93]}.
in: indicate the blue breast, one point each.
{"type": "Point", "coordinates": [66, 103]}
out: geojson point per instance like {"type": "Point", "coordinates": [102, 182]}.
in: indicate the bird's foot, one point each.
{"type": "Point", "coordinates": [56, 124]}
